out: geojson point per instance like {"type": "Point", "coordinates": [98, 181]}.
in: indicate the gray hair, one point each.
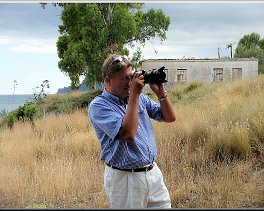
{"type": "Point", "coordinates": [114, 63]}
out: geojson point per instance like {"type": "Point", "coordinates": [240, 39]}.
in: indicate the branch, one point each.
{"type": "Point", "coordinates": [100, 8]}
{"type": "Point", "coordinates": [108, 16]}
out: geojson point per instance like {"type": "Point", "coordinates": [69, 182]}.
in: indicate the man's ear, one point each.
{"type": "Point", "coordinates": [108, 80]}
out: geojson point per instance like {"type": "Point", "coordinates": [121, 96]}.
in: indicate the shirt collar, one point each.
{"type": "Point", "coordinates": [114, 98]}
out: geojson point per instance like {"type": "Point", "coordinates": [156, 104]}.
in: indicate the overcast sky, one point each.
{"type": "Point", "coordinates": [28, 36]}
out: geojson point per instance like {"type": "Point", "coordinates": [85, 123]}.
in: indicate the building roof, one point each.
{"type": "Point", "coordinates": [205, 59]}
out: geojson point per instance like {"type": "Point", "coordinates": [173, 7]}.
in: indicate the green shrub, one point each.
{"type": "Point", "coordinates": [31, 111]}
{"type": "Point", "coordinates": [10, 119]}
{"type": "Point", "coordinates": [84, 99]}
{"type": "Point", "coordinates": [177, 93]}
{"type": "Point", "coordinates": [67, 104]}
{"type": "Point", "coordinates": [193, 85]}
{"type": "Point", "coordinates": [28, 111]}
{"type": "Point", "coordinates": [62, 107]}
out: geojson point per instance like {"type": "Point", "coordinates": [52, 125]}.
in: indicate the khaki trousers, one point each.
{"type": "Point", "coordinates": [136, 189]}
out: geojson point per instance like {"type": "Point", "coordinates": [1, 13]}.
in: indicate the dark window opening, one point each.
{"type": "Point", "coordinates": [181, 75]}
{"type": "Point", "coordinates": [218, 74]}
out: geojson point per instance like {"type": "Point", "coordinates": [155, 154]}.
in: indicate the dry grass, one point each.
{"type": "Point", "coordinates": [54, 163]}
{"type": "Point", "coordinates": [211, 157]}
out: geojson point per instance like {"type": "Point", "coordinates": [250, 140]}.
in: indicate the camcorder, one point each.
{"type": "Point", "coordinates": [155, 76]}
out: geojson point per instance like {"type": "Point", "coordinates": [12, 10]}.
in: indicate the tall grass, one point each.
{"type": "Point", "coordinates": [212, 156]}
{"type": "Point", "coordinates": [55, 162]}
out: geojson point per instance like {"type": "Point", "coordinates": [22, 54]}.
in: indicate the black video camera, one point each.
{"type": "Point", "coordinates": [155, 76]}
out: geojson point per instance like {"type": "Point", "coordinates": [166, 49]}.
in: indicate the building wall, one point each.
{"type": "Point", "coordinates": [205, 70]}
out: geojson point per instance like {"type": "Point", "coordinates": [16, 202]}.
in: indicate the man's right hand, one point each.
{"type": "Point", "coordinates": [129, 125]}
{"type": "Point", "coordinates": [137, 83]}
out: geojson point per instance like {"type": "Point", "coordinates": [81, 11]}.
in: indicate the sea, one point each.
{"type": "Point", "coordinates": [11, 102]}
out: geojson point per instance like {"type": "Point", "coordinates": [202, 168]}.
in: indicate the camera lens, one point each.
{"type": "Point", "coordinates": [156, 76]}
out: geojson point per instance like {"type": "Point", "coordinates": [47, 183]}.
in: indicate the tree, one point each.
{"type": "Point", "coordinates": [218, 52]}
{"type": "Point", "coordinates": [251, 45]}
{"type": "Point", "coordinates": [91, 31]}
{"type": "Point", "coordinates": [137, 58]}
{"type": "Point", "coordinates": [231, 50]}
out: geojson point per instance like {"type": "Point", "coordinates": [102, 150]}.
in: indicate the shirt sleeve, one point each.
{"type": "Point", "coordinates": [104, 119]}
{"type": "Point", "coordinates": [152, 107]}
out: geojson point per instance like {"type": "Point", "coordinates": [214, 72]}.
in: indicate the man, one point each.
{"type": "Point", "coordinates": [121, 119]}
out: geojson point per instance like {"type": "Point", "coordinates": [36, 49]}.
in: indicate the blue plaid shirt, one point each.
{"type": "Point", "coordinates": [106, 113]}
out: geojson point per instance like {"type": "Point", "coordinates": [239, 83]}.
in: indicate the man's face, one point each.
{"type": "Point", "coordinates": [119, 83]}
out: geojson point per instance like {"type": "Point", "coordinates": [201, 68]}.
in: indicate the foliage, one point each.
{"type": "Point", "coordinates": [31, 111]}
{"type": "Point", "coordinates": [67, 103]}
{"type": "Point", "coordinates": [251, 45]}
{"type": "Point", "coordinates": [59, 104]}
{"type": "Point", "coordinates": [27, 112]}
{"type": "Point", "coordinates": [91, 31]}
{"type": "Point", "coordinates": [193, 85]}
{"type": "Point", "coordinates": [10, 119]}
{"type": "Point", "coordinates": [188, 93]}
{"type": "Point", "coordinates": [137, 59]}
{"type": "Point", "coordinates": [177, 94]}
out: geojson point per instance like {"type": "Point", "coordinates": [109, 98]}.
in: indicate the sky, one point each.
{"type": "Point", "coordinates": [28, 36]}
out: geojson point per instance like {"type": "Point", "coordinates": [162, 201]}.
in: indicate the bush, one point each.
{"type": "Point", "coordinates": [67, 104]}
{"type": "Point", "coordinates": [29, 111]}
{"type": "Point", "coordinates": [193, 85]}
{"type": "Point", "coordinates": [83, 100]}
{"type": "Point", "coordinates": [10, 119]}
{"type": "Point", "coordinates": [177, 93]}
{"type": "Point", "coordinates": [63, 107]}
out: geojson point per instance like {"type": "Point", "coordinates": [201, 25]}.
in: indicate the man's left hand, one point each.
{"type": "Point", "coordinates": [158, 89]}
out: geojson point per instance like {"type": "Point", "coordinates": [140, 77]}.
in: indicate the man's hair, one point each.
{"type": "Point", "coordinates": [113, 65]}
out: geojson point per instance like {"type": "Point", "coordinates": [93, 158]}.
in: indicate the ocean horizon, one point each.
{"type": "Point", "coordinates": [12, 102]}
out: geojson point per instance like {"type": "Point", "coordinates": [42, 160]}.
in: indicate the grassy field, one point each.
{"type": "Point", "coordinates": [211, 157]}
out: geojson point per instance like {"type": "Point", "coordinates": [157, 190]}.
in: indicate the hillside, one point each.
{"type": "Point", "coordinates": [211, 157]}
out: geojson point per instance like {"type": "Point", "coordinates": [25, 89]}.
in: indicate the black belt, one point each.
{"type": "Point", "coordinates": [146, 168]}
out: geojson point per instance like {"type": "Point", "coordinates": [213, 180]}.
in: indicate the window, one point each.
{"type": "Point", "coordinates": [236, 73]}
{"type": "Point", "coordinates": [218, 74]}
{"type": "Point", "coordinates": [181, 75]}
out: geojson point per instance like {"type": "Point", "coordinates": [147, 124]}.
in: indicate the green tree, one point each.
{"type": "Point", "coordinates": [91, 31]}
{"type": "Point", "coordinates": [251, 45]}
{"type": "Point", "coordinates": [137, 58]}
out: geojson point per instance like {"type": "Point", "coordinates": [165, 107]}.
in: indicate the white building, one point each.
{"type": "Point", "coordinates": [205, 70]}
